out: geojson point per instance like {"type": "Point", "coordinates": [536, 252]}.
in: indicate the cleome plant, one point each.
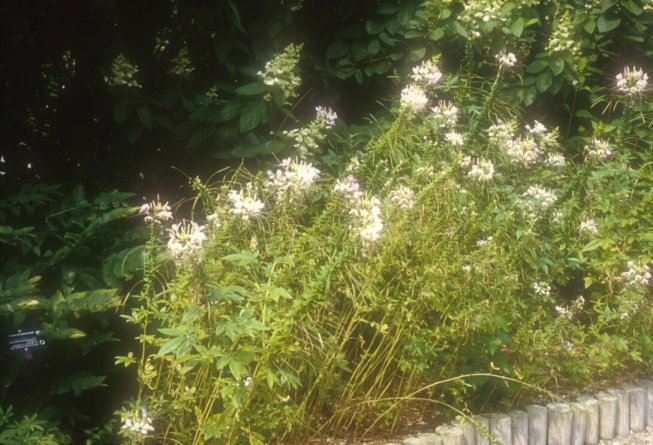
{"type": "Point", "coordinates": [327, 294]}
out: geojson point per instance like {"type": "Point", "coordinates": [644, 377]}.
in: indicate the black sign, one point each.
{"type": "Point", "coordinates": [24, 340]}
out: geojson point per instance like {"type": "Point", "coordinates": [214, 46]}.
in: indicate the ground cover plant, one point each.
{"type": "Point", "coordinates": [324, 294]}
{"type": "Point", "coordinates": [485, 232]}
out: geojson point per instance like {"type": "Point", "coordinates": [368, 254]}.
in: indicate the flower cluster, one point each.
{"type": "Point", "coordinates": [413, 99]}
{"type": "Point", "coordinates": [637, 275]}
{"type": "Point", "coordinates": [140, 424]}
{"type": "Point", "coordinates": [426, 74]}
{"type": "Point", "coordinates": [280, 71]}
{"type": "Point", "coordinates": [555, 160]}
{"type": "Point", "coordinates": [244, 203]}
{"type": "Point", "coordinates": [589, 227]}
{"type": "Point", "coordinates": [523, 151]}
{"type": "Point", "coordinates": [186, 241]}
{"type": "Point", "coordinates": [568, 312]}
{"type": "Point", "coordinates": [402, 197]}
{"type": "Point", "coordinates": [349, 188]}
{"type": "Point", "coordinates": [307, 139]}
{"type": "Point", "coordinates": [480, 15]}
{"type": "Point", "coordinates": [537, 199]}
{"type": "Point", "coordinates": [454, 138]}
{"type": "Point", "coordinates": [293, 180]}
{"type": "Point", "coordinates": [445, 113]}
{"type": "Point", "coordinates": [542, 289]}
{"type": "Point", "coordinates": [632, 82]}
{"type": "Point", "coordinates": [155, 212]}
{"type": "Point", "coordinates": [506, 59]}
{"type": "Point", "coordinates": [181, 64]}
{"type": "Point", "coordinates": [327, 116]}
{"type": "Point", "coordinates": [482, 170]}
{"type": "Point", "coordinates": [598, 149]}
{"type": "Point", "coordinates": [122, 73]}
{"type": "Point", "coordinates": [366, 220]}
{"type": "Point", "coordinates": [563, 37]}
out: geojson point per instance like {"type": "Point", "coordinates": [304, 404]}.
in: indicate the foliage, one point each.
{"type": "Point", "coordinates": [461, 239]}
{"type": "Point", "coordinates": [68, 260]}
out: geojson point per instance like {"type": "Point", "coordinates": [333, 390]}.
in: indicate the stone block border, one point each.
{"type": "Point", "coordinates": [604, 416]}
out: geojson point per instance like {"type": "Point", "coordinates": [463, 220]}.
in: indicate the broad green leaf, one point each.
{"type": "Point", "coordinates": [459, 29]}
{"type": "Point", "coordinates": [123, 109]}
{"type": "Point", "coordinates": [337, 49]}
{"type": "Point", "coordinates": [517, 27]}
{"type": "Point", "coordinates": [374, 47]}
{"type": "Point", "coordinates": [544, 81]}
{"type": "Point", "coordinates": [243, 258]}
{"type": "Point", "coordinates": [387, 7]}
{"type": "Point", "coordinates": [199, 137]}
{"type": "Point", "coordinates": [606, 24]}
{"type": "Point", "coordinates": [252, 115]}
{"type": "Point", "coordinates": [537, 66]}
{"type": "Point", "coordinates": [590, 25]}
{"type": "Point", "coordinates": [374, 26]}
{"type": "Point", "coordinates": [267, 147]}
{"type": "Point", "coordinates": [557, 65]}
{"type": "Point", "coordinates": [359, 50]}
{"type": "Point", "coordinates": [607, 4]}
{"type": "Point", "coordinates": [416, 53]}
{"type": "Point", "coordinates": [252, 89]}
{"type": "Point", "coordinates": [145, 115]}
{"type": "Point", "coordinates": [436, 34]}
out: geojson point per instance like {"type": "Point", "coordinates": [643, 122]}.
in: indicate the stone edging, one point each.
{"type": "Point", "coordinates": [606, 415]}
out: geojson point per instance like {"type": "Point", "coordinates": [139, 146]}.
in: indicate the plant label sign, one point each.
{"type": "Point", "coordinates": [24, 340]}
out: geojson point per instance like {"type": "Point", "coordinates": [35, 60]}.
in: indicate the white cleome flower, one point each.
{"type": "Point", "coordinates": [555, 160]}
{"type": "Point", "coordinates": [589, 227]}
{"type": "Point", "coordinates": [506, 59]}
{"type": "Point", "coordinates": [427, 74]}
{"type": "Point", "coordinates": [445, 113]}
{"type": "Point", "coordinates": [294, 179]}
{"type": "Point", "coordinates": [139, 424]}
{"type": "Point", "coordinates": [366, 220]}
{"type": "Point", "coordinates": [598, 149]}
{"type": "Point", "coordinates": [542, 289]}
{"type": "Point", "coordinates": [155, 212]}
{"type": "Point", "coordinates": [413, 99]}
{"type": "Point", "coordinates": [482, 171]}
{"type": "Point", "coordinates": [523, 151]}
{"type": "Point", "coordinates": [402, 197]}
{"type": "Point", "coordinates": [632, 82]}
{"type": "Point", "coordinates": [637, 275]}
{"type": "Point", "coordinates": [186, 241]}
{"type": "Point", "coordinates": [244, 203]}
{"type": "Point", "coordinates": [349, 188]}
{"type": "Point", "coordinates": [454, 138]}
{"type": "Point", "coordinates": [327, 117]}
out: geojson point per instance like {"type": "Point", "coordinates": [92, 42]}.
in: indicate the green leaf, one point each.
{"type": "Point", "coordinates": [459, 29]}
{"type": "Point", "coordinates": [252, 89]}
{"type": "Point", "coordinates": [557, 65]}
{"type": "Point", "coordinates": [243, 258]}
{"type": "Point", "coordinates": [416, 53]}
{"type": "Point", "coordinates": [374, 47]}
{"type": "Point", "coordinates": [337, 49]}
{"type": "Point", "coordinates": [133, 131]}
{"type": "Point", "coordinates": [267, 147]}
{"type": "Point", "coordinates": [252, 115]}
{"type": "Point", "coordinates": [537, 66]}
{"type": "Point", "coordinates": [607, 4]}
{"type": "Point", "coordinates": [544, 81]}
{"type": "Point", "coordinates": [606, 24]}
{"type": "Point", "coordinates": [436, 34]}
{"type": "Point", "coordinates": [387, 7]}
{"type": "Point", "coordinates": [358, 75]}
{"type": "Point", "coordinates": [632, 7]}
{"type": "Point", "coordinates": [529, 95]}
{"type": "Point", "coordinates": [123, 109]}
{"type": "Point", "coordinates": [517, 27]}
{"type": "Point", "coordinates": [590, 25]}
{"type": "Point", "coordinates": [145, 115]}
{"type": "Point", "coordinates": [78, 383]}
{"type": "Point", "coordinates": [199, 137]}
{"type": "Point", "coordinates": [374, 26]}
{"type": "Point", "coordinates": [359, 50]}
